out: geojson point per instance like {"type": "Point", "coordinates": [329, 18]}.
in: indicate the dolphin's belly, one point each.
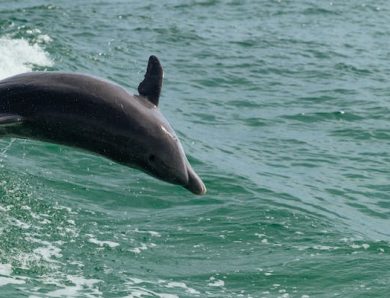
{"type": "Point", "coordinates": [63, 131]}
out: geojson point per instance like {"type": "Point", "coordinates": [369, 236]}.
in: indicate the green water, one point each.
{"type": "Point", "coordinates": [283, 108]}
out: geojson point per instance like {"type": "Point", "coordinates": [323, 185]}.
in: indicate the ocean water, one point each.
{"type": "Point", "coordinates": [283, 108]}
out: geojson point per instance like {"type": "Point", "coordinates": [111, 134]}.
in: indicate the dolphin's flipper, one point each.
{"type": "Point", "coordinates": [10, 119]}
{"type": "Point", "coordinates": [150, 87]}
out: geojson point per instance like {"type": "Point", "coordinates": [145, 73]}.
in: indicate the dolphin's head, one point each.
{"type": "Point", "coordinates": [163, 157]}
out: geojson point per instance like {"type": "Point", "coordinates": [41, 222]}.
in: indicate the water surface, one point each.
{"type": "Point", "coordinates": [283, 108]}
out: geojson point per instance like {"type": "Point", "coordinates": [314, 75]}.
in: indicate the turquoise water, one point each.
{"type": "Point", "coordinates": [283, 109]}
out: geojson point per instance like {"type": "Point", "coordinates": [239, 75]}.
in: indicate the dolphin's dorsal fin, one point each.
{"type": "Point", "coordinates": [150, 87]}
{"type": "Point", "coordinates": [10, 119]}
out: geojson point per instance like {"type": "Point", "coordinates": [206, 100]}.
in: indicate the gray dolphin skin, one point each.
{"type": "Point", "coordinates": [99, 116]}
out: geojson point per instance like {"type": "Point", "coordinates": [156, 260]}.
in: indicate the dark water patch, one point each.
{"type": "Point", "coordinates": [324, 116]}
{"type": "Point", "coordinates": [384, 188]}
{"type": "Point", "coordinates": [316, 99]}
{"type": "Point", "coordinates": [352, 69]}
{"type": "Point", "coordinates": [252, 122]}
{"type": "Point", "coordinates": [344, 91]}
{"type": "Point", "coordinates": [174, 34]}
{"type": "Point", "coordinates": [194, 4]}
{"type": "Point", "coordinates": [363, 208]}
{"type": "Point", "coordinates": [362, 134]}
{"type": "Point", "coordinates": [320, 11]}
{"type": "Point", "coordinates": [325, 53]}
{"type": "Point", "coordinates": [245, 103]}
{"type": "Point", "coordinates": [248, 43]}
{"type": "Point", "coordinates": [230, 81]}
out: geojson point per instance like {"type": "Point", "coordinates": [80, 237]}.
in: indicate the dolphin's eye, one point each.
{"type": "Point", "coordinates": [152, 157]}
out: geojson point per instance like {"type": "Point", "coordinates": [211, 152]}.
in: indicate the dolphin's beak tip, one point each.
{"type": "Point", "coordinates": [200, 190]}
{"type": "Point", "coordinates": [194, 183]}
{"type": "Point", "coordinates": [204, 190]}
{"type": "Point", "coordinates": [197, 188]}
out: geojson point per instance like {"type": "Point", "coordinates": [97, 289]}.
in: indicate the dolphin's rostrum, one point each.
{"type": "Point", "coordinates": [99, 116]}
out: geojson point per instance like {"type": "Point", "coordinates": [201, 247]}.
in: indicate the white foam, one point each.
{"type": "Point", "coordinates": [8, 280]}
{"type": "Point", "coordinates": [48, 252]}
{"type": "Point", "coordinates": [216, 282]}
{"type": "Point", "coordinates": [151, 233]}
{"type": "Point", "coordinates": [137, 291]}
{"type": "Point", "coordinates": [5, 269]}
{"type": "Point", "coordinates": [136, 280]}
{"type": "Point", "coordinates": [5, 279]}
{"type": "Point", "coordinates": [80, 284]}
{"type": "Point", "coordinates": [357, 246]}
{"type": "Point", "coordinates": [18, 56]}
{"type": "Point", "coordinates": [41, 38]}
{"type": "Point", "coordinates": [110, 244]}
{"type": "Point", "coordinates": [182, 285]}
{"type": "Point", "coordinates": [19, 224]}
{"type": "Point", "coordinates": [143, 247]}
{"type": "Point", "coordinates": [154, 234]}
{"type": "Point", "coordinates": [167, 295]}
{"type": "Point", "coordinates": [324, 247]}
{"type": "Point", "coordinates": [140, 293]}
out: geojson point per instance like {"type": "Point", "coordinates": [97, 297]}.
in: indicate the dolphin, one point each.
{"type": "Point", "coordinates": [101, 117]}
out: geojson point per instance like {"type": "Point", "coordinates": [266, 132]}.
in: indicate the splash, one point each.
{"type": "Point", "coordinates": [18, 56]}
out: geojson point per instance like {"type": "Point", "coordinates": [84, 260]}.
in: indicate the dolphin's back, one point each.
{"type": "Point", "coordinates": [27, 94]}
{"type": "Point", "coordinates": [64, 107]}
